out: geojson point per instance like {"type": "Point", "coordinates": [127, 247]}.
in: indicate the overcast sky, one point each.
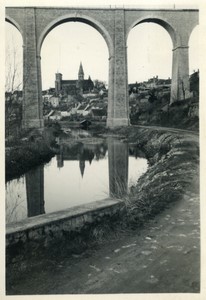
{"type": "Point", "coordinates": [68, 44]}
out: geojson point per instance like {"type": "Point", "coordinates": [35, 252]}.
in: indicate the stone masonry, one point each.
{"type": "Point", "coordinates": [114, 24]}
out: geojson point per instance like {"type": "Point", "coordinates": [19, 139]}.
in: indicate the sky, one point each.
{"type": "Point", "coordinates": [73, 42]}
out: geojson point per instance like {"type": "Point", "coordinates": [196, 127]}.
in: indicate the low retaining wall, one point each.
{"type": "Point", "coordinates": [44, 228]}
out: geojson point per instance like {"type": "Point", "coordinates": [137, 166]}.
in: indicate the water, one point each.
{"type": "Point", "coordinates": [86, 170]}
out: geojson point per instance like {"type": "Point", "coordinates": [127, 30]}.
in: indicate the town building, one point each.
{"type": "Point", "coordinates": [73, 87]}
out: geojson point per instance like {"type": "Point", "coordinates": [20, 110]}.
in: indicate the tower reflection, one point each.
{"type": "Point", "coordinates": [118, 167]}
{"type": "Point", "coordinates": [82, 153]}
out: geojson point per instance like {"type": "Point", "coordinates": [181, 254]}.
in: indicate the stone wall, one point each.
{"type": "Point", "coordinates": [48, 228]}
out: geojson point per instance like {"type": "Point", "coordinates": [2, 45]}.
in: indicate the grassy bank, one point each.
{"type": "Point", "coordinates": [173, 173]}
{"type": "Point", "coordinates": [20, 159]}
{"type": "Point", "coordinates": [182, 114]}
{"type": "Point", "coordinates": [29, 150]}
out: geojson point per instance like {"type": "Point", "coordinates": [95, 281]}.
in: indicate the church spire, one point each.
{"type": "Point", "coordinates": [82, 166]}
{"type": "Point", "coordinates": [81, 72]}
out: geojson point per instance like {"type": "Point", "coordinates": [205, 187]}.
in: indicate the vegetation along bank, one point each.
{"type": "Point", "coordinates": [173, 174]}
{"type": "Point", "coordinates": [28, 150]}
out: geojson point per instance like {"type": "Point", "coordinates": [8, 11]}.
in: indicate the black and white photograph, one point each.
{"type": "Point", "coordinates": [103, 130]}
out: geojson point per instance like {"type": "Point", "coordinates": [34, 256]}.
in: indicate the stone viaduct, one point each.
{"type": "Point", "coordinates": [114, 24]}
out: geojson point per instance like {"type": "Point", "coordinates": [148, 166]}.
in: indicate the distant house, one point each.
{"type": "Point", "coordinates": [99, 113]}
{"type": "Point", "coordinates": [90, 95]}
{"type": "Point", "coordinates": [72, 111]}
{"type": "Point", "coordinates": [83, 109]}
{"type": "Point", "coordinates": [46, 98]}
{"type": "Point", "coordinates": [99, 104]}
{"type": "Point", "coordinates": [65, 113]}
{"type": "Point", "coordinates": [151, 83]}
{"type": "Point", "coordinates": [156, 82]}
{"type": "Point", "coordinates": [51, 91]}
{"type": "Point", "coordinates": [133, 88]}
{"type": "Point", "coordinates": [54, 101]}
{"type": "Point", "coordinates": [87, 110]}
{"type": "Point", "coordinates": [48, 114]}
{"type": "Point", "coordinates": [103, 93]}
{"type": "Point", "coordinates": [53, 115]}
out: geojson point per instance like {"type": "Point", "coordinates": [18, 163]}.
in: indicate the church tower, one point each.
{"type": "Point", "coordinates": [80, 83]}
{"type": "Point", "coordinates": [81, 72]}
{"type": "Point", "coordinates": [58, 83]}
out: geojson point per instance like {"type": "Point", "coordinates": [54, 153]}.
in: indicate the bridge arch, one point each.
{"type": "Point", "coordinates": [144, 55]}
{"type": "Point", "coordinates": [15, 24]}
{"type": "Point", "coordinates": [193, 31]}
{"type": "Point", "coordinates": [194, 49]}
{"type": "Point", "coordinates": [165, 24]}
{"type": "Point", "coordinates": [75, 18]}
{"type": "Point", "coordinates": [13, 58]}
{"type": "Point", "coordinates": [180, 60]}
{"type": "Point", "coordinates": [114, 25]}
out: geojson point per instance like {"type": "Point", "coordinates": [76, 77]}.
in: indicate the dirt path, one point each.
{"type": "Point", "coordinates": [162, 257]}
{"type": "Point", "coordinates": [191, 134]}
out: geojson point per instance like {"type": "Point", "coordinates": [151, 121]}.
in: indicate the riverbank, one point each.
{"type": "Point", "coordinates": [30, 149]}
{"type": "Point", "coordinates": [20, 159]}
{"type": "Point", "coordinates": [173, 175]}
{"type": "Point", "coordinates": [174, 169]}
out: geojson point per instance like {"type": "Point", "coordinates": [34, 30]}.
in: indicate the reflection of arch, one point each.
{"type": "Point", "coordinates": [83, 19]}
{"type": "Point", "coordinates": [15, 24]}
{"type": "Point", "coordinates": [172, 32]}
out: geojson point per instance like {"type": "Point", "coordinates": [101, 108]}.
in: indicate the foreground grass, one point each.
{"type": "Point", "coordinates": [173, 172]}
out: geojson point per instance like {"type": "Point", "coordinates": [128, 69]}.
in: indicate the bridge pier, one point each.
{"type": "Point", "coordinates": [118, 107]}
{"type": "Point", "coordinates": [35, 23]}
{"type": "Point", "coordinates": [180, 88]}
{"type": "Point", "coordinates": [32, 92]}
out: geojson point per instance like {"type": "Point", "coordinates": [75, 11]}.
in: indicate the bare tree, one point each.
{"type": "Point", "coordinates": [13, 80]}
{"type": "Point", "coordinates": [13, 86]}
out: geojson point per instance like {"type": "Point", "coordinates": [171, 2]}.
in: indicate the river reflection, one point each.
{"type": "Point", "coordinates": [82, 172]}
{"type": "Point", "coordinates": [118, 167]}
